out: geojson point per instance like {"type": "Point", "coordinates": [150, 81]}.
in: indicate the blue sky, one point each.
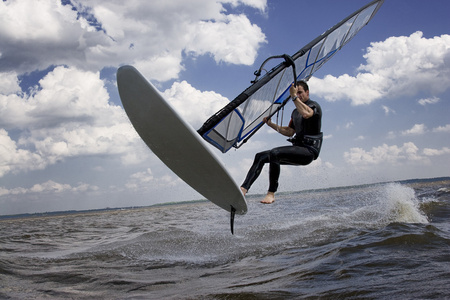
{"type": "Point", "coordinates": [66, 143]}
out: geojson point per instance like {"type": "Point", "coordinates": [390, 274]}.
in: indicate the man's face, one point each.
{"type": "Point", "coordinates": [302, 94]}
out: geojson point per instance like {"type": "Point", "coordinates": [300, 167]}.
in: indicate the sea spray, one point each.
{"type": "Point", "coordinates": [401, 204]}
{"type": "Point", "coordinates": [377, 206]}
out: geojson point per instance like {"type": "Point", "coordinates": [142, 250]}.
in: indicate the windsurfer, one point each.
{"type": "Point", "coordinates": [305, 124]}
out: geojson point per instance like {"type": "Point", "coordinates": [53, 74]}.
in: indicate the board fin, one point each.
{"type": "Point", "coordinates": [233, 212]}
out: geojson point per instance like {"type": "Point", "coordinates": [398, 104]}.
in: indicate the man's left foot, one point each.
{"type": "Point", "coordinates": [244, 191]}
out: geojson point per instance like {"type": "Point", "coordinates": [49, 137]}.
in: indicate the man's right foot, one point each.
{"type": "Point", "coordinates": [269, 199]}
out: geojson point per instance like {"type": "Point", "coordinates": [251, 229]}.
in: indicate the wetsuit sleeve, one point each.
{"type": "Point", "coordinates": [314, 108]}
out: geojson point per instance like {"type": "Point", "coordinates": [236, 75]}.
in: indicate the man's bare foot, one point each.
{"type": "Point", "coordinates": [244, 191]}
{"type": "Point", "coordinates": [269, 199]}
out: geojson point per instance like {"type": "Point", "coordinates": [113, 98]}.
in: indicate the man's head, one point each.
{"type": "Point", "coordinates": [303, 84]}
{"type": "Point", "coordinates": [302, 91]}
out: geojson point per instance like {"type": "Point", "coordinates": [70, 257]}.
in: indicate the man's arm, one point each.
{"type": "Point", "coordinates": [306, 111]}
{"type": "Point", "coordinates": [284, 130]}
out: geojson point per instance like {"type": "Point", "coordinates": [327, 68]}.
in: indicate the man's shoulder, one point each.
{"type": "Point", "coordinates": [312, 103]}
{"type": "Point", "coordinates": [316, 107]}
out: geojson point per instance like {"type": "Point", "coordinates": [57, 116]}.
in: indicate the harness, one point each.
{"type": "Point", "coordinates": [312, 142]}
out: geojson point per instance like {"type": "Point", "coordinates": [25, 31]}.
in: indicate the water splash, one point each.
{"type": "Point", "coordinates": [400, 204]}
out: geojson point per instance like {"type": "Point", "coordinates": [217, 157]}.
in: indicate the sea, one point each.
{"type": "Point", "coordinates": [378, 241]}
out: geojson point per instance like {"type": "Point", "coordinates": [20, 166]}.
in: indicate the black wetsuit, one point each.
{"type": "Point", "coordinates": [305, 148]}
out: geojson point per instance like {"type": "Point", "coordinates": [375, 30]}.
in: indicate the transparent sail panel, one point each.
{"type": "Point", "coordinates": [362, 19]}
{"type": "Point", "coordinates": [225, 134]}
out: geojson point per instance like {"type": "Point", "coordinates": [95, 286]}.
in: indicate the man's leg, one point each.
{"type": "Point", "coordinates": [261, 158]}
{"type": "Point", "coordinates": [287, 155]}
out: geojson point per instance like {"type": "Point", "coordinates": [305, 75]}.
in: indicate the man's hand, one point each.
{"type": "Point", "coordinates": [293, 91]}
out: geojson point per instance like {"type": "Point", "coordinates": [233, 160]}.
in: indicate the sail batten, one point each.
{"type": "Point", "coordinates": [242, 117]}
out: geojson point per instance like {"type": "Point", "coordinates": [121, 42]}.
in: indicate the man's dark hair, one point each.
{"type": "Point", "coordinates": [303, 84]}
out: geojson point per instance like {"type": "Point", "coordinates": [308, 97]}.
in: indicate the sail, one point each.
{"type": "Point", "coordinates": [242, 117]}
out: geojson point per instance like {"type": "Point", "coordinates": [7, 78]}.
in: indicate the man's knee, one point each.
{"type": "Point", "coordinates": [258, 156]}
{"type": "Point", "coordinates": [262, 157]}
{"type": "Point", "coordinates": [274, 155]}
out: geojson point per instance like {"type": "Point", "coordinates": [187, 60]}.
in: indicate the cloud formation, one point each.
{"type": "Point", "coordinates": [67, 115]}
{"type": "Point", "coordinates": [193, 105]}
{"type": "Point", "coordinates": [417, 129]}
{"type": "Point", "coordinates": [383, 154]}
{"type": "Point", "coordinates": [436, 152]}
{"type": "Point", "coordinates": [152, 35]}
{"type": "Point", "coordinates": [445, 128]}
{"type": "Point", "coordinates": [145, 180]}
{"type": "Point", "coordinates": [49, 187]}
{"type": "Point", "coordinates": [426, 101]}
{"type": "Point", "coordinates": [388, 69]}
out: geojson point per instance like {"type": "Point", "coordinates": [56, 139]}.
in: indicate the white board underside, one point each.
{"type": "Point", "coordinates": [175, 142]}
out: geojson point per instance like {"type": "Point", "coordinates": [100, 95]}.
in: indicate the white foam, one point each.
{"type": "Point", "coordinates": [401, 204]}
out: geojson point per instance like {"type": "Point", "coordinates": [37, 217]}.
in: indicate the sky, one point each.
{"type": "Point", "coordinates": [67, 144]}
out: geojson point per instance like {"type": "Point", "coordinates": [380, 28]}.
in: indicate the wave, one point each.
{"type": "Point", "coordinates": [393, 202]}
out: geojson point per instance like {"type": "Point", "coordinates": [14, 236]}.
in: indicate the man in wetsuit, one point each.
{"type": "Point", "coordinates": [306, 121]}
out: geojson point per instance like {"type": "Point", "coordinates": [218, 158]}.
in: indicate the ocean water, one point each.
{"type": "Point", "coordinates": [383, 241]}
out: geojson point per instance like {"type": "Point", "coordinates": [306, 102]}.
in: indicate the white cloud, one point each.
{"type": "Point", "coordinates": [193, 105]}
{"type": "Point", "coordinates": [9, 83]}
{"type": "Point", "coordinates": [49, 187]}
{"type": "Point", "coordinates": [417, 129]}
{"type": "Point", "coordinates": [391, 135]}
{"type": "Point", "coordinates": [162, 67]}
{"type": "Point", "coordinates": [69, 115]}
{"type": "Point", "coordinates": [397, 66]}
{"type": "Point", "coordinates": [362, 89]}
{"type": "Point", "coordinates": [13, 159]}
{"type": "Point", "coordinates": [144, 180]}
{"type": "Point", "coordinates": [37, 34]}
{"type": "Point", "coordinates": [55, 187]}
{"type": "Point", "coordinates": [65, 95]}
{"type": "Point", "coordinates": [45, 17]}
{"type": "Point", "coordinates": [426, 101]}
{"type": "Point", "coordinates": [235, 40]}
{"type": "Point", "coordinates": [258, 4]}
{"type": "Point", "coordinates": [387, 110]}
{"type": "Point", "coordinates": [383, 154]}
{"type": "Point", "coordinates": [445, 128]}
{"type": "Point", "coordinates": [16, 191]}
{"type": "Point", "coordinates": [152, 35]}
{"type": "Point", "coordinates": [436, 152]}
